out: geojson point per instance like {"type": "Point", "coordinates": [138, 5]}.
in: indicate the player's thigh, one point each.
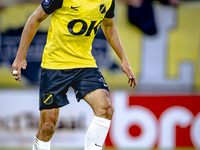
{"type": "Point", "coordinates": [100, 101]}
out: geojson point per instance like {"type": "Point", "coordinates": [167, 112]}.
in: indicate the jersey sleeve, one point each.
{"type": "Point", "coordinates": [110, 13]}
{"type": "Point", "coordinates": [49, 6]}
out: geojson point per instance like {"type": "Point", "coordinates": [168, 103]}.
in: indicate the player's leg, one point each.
{"type": "Point", "coordinates": [89, 84]}
{"type": "Point", "coordinates": [100, 102]}
{"type": "Point", "coordinates": [53, 87]}
{"type": "Point", "coordinates": [47, 125]}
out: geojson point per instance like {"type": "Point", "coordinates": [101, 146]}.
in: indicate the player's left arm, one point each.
{"type": "Point", "coordinates": [113, 38]}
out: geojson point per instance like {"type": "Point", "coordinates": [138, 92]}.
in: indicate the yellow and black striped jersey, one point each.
{"type": "Point", "coordinates": [74, 24]}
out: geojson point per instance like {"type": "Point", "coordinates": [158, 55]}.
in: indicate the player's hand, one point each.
{"type": "Point", "coordinates": [18, 64]}
{"type": "Point", "coordinates": [126, 68]}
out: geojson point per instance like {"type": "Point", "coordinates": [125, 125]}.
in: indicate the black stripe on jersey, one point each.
{"type": "Point", "coordinates": [49, 6]}
{"type": "Point", "coordinates": [110, 13]}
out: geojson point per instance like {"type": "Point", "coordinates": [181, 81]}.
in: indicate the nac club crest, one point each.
{"type": "Point", "coordinates": [47, 99]}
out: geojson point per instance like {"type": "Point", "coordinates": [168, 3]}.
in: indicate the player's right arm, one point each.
{"type": "Point", "coordinates": [28, 33]}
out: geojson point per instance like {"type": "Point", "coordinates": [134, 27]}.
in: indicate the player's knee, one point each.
{"type": "Point", "coordinates": [105, 112]}
{"type": "Point", "coordinates": [46, 129]}
{"type": "Point", "coordinates": [49, 127]}
{"type": "Point", "coordinates": [110, 112]}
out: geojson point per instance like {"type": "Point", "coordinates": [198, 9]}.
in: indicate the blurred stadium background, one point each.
{"type": "Point", "coordinates": [163, 112]}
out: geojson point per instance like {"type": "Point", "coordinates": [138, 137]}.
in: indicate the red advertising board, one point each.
{"type": "Point", "coordinates": [166, 121]}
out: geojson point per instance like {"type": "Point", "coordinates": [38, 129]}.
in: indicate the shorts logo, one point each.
{"type": "Point", "coordinates": [46, 2]}
{"type": "Point", "coordinates": [103, 81]}
{"type": "Point", "coordinates": [48, 99]}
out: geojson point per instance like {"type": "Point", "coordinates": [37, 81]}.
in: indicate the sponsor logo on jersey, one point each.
{"type": "Point", "coordinates": [93, 26]}
{"type": "Point", "coordinates": [46, 2]}
{"type": "Point", "coordinates": [48, 99]}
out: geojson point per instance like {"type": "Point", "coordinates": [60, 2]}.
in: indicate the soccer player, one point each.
{"type": "Point", "coordinates": [67, 62]}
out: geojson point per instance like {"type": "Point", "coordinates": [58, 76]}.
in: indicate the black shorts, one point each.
{"type": "Point", "coordinates": [54, 85]}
